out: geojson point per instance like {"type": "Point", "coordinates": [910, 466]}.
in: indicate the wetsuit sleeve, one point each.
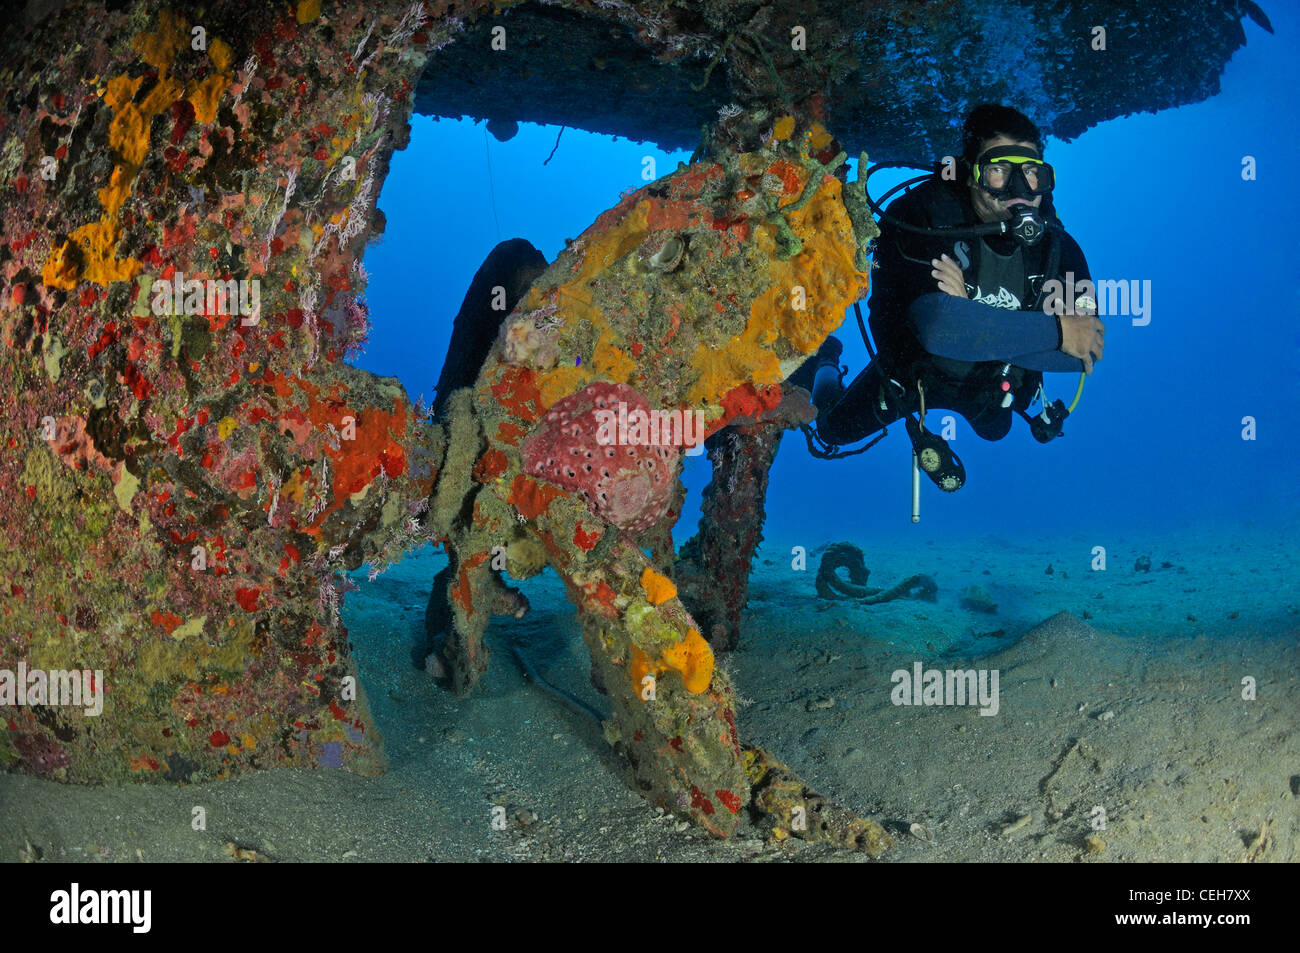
{"type": "Point", "coordinates": [1053, 361]}
{"type": "Point", "coordinates": [965, 330]}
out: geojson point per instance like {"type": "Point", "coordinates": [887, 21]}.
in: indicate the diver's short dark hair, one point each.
{"type": "Point", "coordinates": [989, 120]}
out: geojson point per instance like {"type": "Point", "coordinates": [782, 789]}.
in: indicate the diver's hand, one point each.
{"type": "Point", "coordinates": [950, 277]}
{"type": "Point", "coordinates": [1083, 336]}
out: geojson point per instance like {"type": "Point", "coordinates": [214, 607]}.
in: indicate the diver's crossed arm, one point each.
{"type": "Point", "coordinates": [965, 330]}
{"type": "Point", "coordinates": [1048, 362]}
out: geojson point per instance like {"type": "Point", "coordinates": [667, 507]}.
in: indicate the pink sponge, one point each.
{"type": "Point", "coordinates": [626, 484]}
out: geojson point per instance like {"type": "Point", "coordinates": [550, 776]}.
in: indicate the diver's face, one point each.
{"type": "Point", "coordinates": [987, 207]}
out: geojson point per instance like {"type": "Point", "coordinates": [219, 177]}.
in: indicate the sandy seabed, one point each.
{"type": "Point", "coordinates": [1120, 699]}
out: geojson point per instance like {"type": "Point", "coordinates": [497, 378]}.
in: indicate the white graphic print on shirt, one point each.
{"type": "Point", "coordinates": [1001, 299]}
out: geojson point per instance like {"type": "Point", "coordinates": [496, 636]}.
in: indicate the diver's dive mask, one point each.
{"type": "Point", "coordinates": [1006, 172]}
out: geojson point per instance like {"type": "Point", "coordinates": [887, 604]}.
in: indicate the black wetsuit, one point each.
{"type": "Point", "coordinates": [957, 348]}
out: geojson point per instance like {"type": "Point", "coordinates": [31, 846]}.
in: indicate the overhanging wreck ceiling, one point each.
{"type": "Point", "coordinates": [893, 78]}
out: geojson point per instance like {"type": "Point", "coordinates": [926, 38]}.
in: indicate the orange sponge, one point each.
{"type": "Point", "coordinates": [691, 658]}
{"type": "Point", "coordinates": [658, 588]}
{"type": "Point", "coordinates": [694, 659]}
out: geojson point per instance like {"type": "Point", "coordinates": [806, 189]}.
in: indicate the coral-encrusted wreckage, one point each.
{"type": "Point", "coordinates": [189, 465]}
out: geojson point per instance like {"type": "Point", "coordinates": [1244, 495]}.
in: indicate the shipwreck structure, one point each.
{"type": "Point", "coordinates": [184, 479]}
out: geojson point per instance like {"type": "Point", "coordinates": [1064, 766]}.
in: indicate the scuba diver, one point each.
{"type": "Point", "coordinates": [964, 310]}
